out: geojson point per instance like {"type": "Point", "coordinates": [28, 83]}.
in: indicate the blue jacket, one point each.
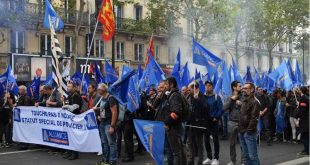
{"type": "Point", "coordinates": [216, 105]}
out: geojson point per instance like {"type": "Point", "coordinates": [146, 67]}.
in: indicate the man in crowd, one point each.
{"type": "Point", "coordinates": [198, 123]}
{"type": "Point", "coordinates": [159, 104]}
{"type": "Point", "coordinates": [23, 100]}
{"type": "Point", "coordinates": [264, 112]}
{"type": "Point", "coordinates": [73, 103]}
{"type": "Point", "coordinates": [216, 105]}
{"type": "Point", "coordinates": [173, 121]}
{"type": "Point", "coordinates": [108, 118]}
{"type": "Point", "coordinates": [232, 106]}
{"type": "Point", "coordinates": [248, 125]}
{"type": "Point", "coordinates": [303, 120]}
{"type": "Point", "coordinates": [7, 102]}
{"type": "Point", "coordinates": [50, 98]}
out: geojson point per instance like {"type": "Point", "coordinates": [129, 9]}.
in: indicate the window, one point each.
{"type": "Point", "coordinates": [68, 46]}
{"type": "Point", "coordinates": [138, 12]}
{"type": "Point", "coordinates": [17, 42]}
{"type": "Point", "coordinates": [45, 44]}
{"type": "Point", "coordinates": [120, 50]}
{"type": "Point", "coordinates": [119, 16]}
{"type": "Point", "coordinates": [99, 48]}
{"type": "Point", "coordinates": [139, 52]}
{"type": "Point", "coordinates": [157, 52]}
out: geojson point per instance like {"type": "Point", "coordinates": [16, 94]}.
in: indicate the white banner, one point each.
{"type": "Point", "coordinates": [57, 128]}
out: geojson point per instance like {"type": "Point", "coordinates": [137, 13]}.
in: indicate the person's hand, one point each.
{"type": "Point", "coordinates": [287, 104]}
{"type": "Point", "coordinates": [166, 127]}
{"type": "Point", "coordinates": [111, 130]}
{"type": "Point", "coordinates": [214, 120]}
{"type": "Point", "coordinates": [234, 97]}
{"type": "Point", "coordinates": [36, 104]}
{"type": "Point", "coordinates": [48, 103]}
{"type": "Point", "coordinates": [238, 102]}
{"type": "Point", "coordinates": [7, 95]}
{"type": "Point", "coordinates": [174, 116]}
{"type": "Point", "coordinates": [62, 98]}
{"type": "Point", "coordinates": [261, 113]}
{"type": "Point", "coordinates": [98, 118]}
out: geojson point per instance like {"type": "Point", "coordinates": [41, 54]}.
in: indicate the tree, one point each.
{"type": "Point", "coordinates": [274, 20]}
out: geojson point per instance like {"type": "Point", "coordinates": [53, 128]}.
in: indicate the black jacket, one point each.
{"type": "Point", "coordinates": [249, 115]}
{"type": "Point", "coordinates": [200, 115]}
{"type": "Point", "coordinates": [174, 105]}
{"type": "Point", "coordinates": [303, 114]}
{"type": "Point", "coordinates": [24, 101]}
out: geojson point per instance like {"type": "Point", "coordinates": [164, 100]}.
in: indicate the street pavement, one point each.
{"type": "Point", "coordinates": [277, 153]}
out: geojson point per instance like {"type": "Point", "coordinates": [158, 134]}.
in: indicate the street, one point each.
{"type": "Point", "coordinates": [277, 153]}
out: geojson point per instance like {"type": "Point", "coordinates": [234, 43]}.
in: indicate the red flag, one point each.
{"type": "Point", "coordinates": [106, 17]}
{"type": "Point", "coordinates": [151, 49]}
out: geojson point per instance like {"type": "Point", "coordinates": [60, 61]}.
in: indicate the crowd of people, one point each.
{"type": "Point", "coordinates": [193, 120]}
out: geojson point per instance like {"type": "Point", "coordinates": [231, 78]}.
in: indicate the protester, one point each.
{"type": "Point", "coordinates": [173, 121]}
{"type": "Point", "coordinates": [216, 109]}
{"type": "Point", "coordinates": [108, 118]}
{"type": "Point", "coordinates": [303, 120]}
{"type": "Point", "coordinates": [50, 98]}
{"type": "Point", "coordinates": [73, 103]}
{"type": "Point", "coordinates": [280, 116]}
{"type": "Point", "coordinates": [199, 122]}
{"type": "Point", "coordinates": [291, 110]}
{"type": "Point", "coordinates": [159, 104]}
{"type": "Point", "coordinates": [233, 106]}
{"type": "Point", "coordinates": [264, 113]}
{"type": "Point", "coordinates": [6, 123]}
{"type": "Point", "coordinates": [249, 115]}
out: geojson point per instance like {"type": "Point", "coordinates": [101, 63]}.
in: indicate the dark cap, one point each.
{"type": "Point", "coordinates": [209, 82]}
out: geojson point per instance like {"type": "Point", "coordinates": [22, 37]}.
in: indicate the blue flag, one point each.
{"type": "Point", "coordinates": [248, 77]}
{"type": "Point", "coordinates": [77, 79]}
{"type": "Point", "coordinates": [215, 78]}
{"type": "Point", "coordinates": [260, 125]}
{"type": "Point", "coordinates": [177, 65]}
{"type": "Point", "coordinates": [152, 136]}
{"type": "Point", "coordinates": [152, 74]}
{"type": "Point", "coordinates": [133, 96]}
{"type": "Point", "coordinates": [33, 90]}
{"type": "Point", "coordinates": [119, 88]}
{"type": "Point", "coordinates": [257, 79]}
{"type": "Point", "coordinates": [218, 86]}
{"type": "Point", "coordinates": [110, 74]}
{"type": "Point", "coordinates": [298, 75]}
{"type": "Point", "coordinates": [202, 56]}
{"type": "Point", "coordinates": [282, 77]}
{"type": "Point", "coordinates": [237, 76]}
{"type": "Point", "coordinates": [226, 89]}
{"type": "Point", "coordinates": [185, 76]}
{"type": "Point", "coordinates": [50, 14]}
{"type": "Point", "coordinates": [8, 81]}
{"type": "Point", "coordinates": [126, 69]}
{"type": "Point", "coordinates": [289, 66]}
{"type": "Point", "coordinates": [98, 75]}
{"type": "Point", "coordinates": [49, 81]}
{"type": "Point", "coordinates": [201, 86]}
{"type": "Point", "coordinates": [280, 121]}
{"type": "Point", "coordinates": [140, 71]}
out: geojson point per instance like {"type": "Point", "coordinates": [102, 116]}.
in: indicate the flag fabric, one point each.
{"type": "Point", "coordinates": [226, 89]}
{"type": "Point", "coordinates": [237, 76]}
{"type": "Point", "coordinates": [185, 75]}
{"type": "Point", "coordinates": [110, 74]}
{"type": "Point", "coordinates": [97, 75]}
{"type": "Point", "coordinates": [133, 96]}
{"type": "Point", "coordinates": [280, 121]}
{"type": "Point", "coordinates": [33, 90]}
{"type": "Point", "coordinates": [282, 77]}
{"type": "Point", "coordinates": [298, 75]}
{"type": "Point", "coordinates": [126, 69]}
{"type": "Point", "coordinates": [8, 81]}
{"type": "Point", "coordinates": [60, 81]}
{"type": "Point", "coordinates": [202, 56]}
{"type": "Point", "coordinates": [140, 71]}
{"type": "Point", "coordinates": [152, 74]}
{"type": "Point", "coordinates": [202, 87]}
{"type": "Point", "coordinates": [152, 136]}
{"type": "Point", "coordinates": [77, 78]}
{"type": "Point", "coordinates": [257, 79]}
{"type": "Point", "coordinates": [151, 49]}
{"type": "Point", "coordinates": [231, 74]}
{"type": "Point", "coordinates": [260, 125]}
{"type": "Point", "coordinates": [176, 70]}
{"type": "Point", "coordinates": [51, 15]}
{"type": "Point", "coordinates": [289, 66]}
{"type": "Point", "coordinates": [106, 17]}
{"type": "Point", "coordinates": [49, 81]}
{"type": "Point", "coordinates": [218, 86]}
{"type": "Point", "coordinates": [248, 77]}
{"type": "Point", "coordinates": [119, 88]}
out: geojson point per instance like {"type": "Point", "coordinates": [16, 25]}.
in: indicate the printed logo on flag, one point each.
{"type": "Point", "coordinates": [149, 129]}
{"type": "Point", "coordinates": [91, 122]}
{"type": "Point", "coordinates": [56, 137]}
{"type": "Point", "coordinates": [16, 114]}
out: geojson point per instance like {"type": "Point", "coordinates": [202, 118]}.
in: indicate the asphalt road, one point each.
{"type": "Point", "coordinates": [277, 153]}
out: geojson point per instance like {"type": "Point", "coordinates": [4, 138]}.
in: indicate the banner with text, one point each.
{"type": "Point", "coordinates": [57, 128]}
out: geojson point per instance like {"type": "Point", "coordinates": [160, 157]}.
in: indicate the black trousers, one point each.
{"type": "Point", "coordinates": [174, 134]}
{"type": "Point", "coordinates": [305, 141]}
{"type": "Point", "coordinates": [214, 132]}
{"type": "Point", "coordinates": [6, 129]}
{"type": "Point", "coordinates": [126, 129]}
